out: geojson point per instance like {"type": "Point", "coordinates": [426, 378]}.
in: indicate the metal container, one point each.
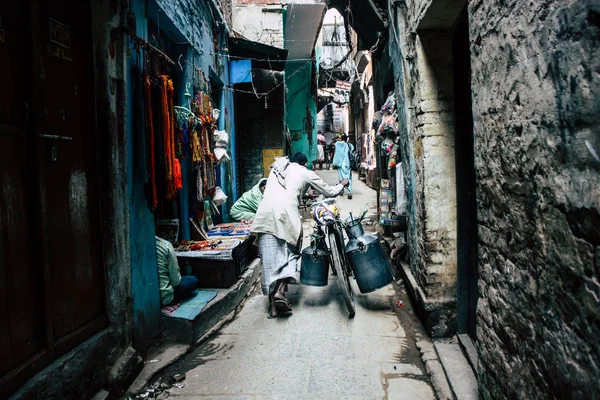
{"type": "Point", "coordinates": [369, 262]}
{"type": "Point", "coordinates": [315, 267]}
{"type": "Point", "coordinates": [354, 228]}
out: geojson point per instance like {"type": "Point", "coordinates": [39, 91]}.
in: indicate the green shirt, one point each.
{"type": "Point", "coordinates": [168, 270]}
{"type": "Point", "coordinates": [246, 206]}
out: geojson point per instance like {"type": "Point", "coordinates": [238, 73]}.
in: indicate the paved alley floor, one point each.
{"type": "Point", "coordinates": [316, 352]}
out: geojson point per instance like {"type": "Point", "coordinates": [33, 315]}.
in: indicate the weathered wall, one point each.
{"type": "Point", "coordinates": [422, 59]}
{"type": "Point", "coordinates": [144, 279]}
{"type": "Point", "coordinates": [536, 108]}
{"type": "Point", "coordinates": [183, 21]}
{"type": "Point", "coordinates": [260, 23]}
{"type": "Point", "coordinates": [259, 128]}
{"type": "Point", "coordinates": [80, 373]}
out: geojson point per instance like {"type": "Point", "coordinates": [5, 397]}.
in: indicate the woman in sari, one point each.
{"type": "Point", "coordinates": [279, 226]}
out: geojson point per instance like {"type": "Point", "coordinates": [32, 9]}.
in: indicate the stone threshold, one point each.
{"type": "Point", "coordinates": [182, 336]}
{"type": "Point", "coordinates": [458, 371]}
{"type": "Point", "coordinates": [451, 362]}
{"type": "Point", "coordinates": [438, 316]}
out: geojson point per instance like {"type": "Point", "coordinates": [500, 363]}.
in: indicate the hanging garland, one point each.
{"type": "Point", "coordinates": [150, 133]}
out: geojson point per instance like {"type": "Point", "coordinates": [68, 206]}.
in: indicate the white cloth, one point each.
{"type": "Point", "coordinates": [328, 136]}
{"type": "Point", "coordinates": [278, 212]}
{"type": "Point", "coordinates": [400, 193]}
{"type": "Point", "coordinates": [279, 261]}
{"type": "Point", "coordinates": [320, 152]}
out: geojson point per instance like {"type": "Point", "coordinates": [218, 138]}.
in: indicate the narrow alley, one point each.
{"type": "Point", "coordinates": [316, 352]}
{"type": "Point", "coordinates": [160, 160]}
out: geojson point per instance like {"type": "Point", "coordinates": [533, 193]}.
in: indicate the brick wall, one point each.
{"type": "Point", "coordinates": [257, 128]}
{"type": "Point", "coordinates": [536, 106]}
{"type": "Point", "coordinates": [226, 7]}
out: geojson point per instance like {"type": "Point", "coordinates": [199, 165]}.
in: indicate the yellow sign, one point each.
{"type": "Point", "coordinates": [268, 156]}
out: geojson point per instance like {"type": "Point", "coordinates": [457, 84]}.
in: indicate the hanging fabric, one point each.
{"type": "Point", "coordinates": [150, 136]}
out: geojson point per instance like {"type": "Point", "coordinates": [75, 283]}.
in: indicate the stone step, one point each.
{"type": "Point", "coordinates": [226, 302]}
{"type": "Point", "coordinates": [460, 375]}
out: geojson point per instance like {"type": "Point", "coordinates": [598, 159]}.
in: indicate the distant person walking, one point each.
{"type": "Point", "coordinates": [328, 147]}
{"type": "Point", "coordinates": [341, 160]}
{"type": "Point", "coordinates": [321, 143]}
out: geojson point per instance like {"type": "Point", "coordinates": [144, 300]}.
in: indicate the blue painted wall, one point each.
{"type": "Point", "coordinates": [144, 277]}
{"type": "Point", "coordinates": [189, 24]}
{"type": "Point", "coordinates": [298, 80]}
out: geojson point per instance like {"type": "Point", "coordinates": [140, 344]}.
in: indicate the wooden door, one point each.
{"type": "Point", "coordinates": [52, 282]}
{"type": "Point", "coordinates": [63, 79]}
{"type": "Point", "coordinates": [22, 336]}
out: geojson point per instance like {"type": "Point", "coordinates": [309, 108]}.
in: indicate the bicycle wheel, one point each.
{"type": "Point", "coordinates": [338, 261]}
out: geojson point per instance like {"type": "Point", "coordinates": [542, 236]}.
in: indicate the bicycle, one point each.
{"type": "Point", "coordinates": [330, 226]}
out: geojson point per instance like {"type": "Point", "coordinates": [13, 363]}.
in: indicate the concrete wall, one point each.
{"type": "Point", "coordinates": [144, 278]}
{"type": "Point", "coordinates": [260, 21]}
{"type": "Point", "coordinates": [536, 108]}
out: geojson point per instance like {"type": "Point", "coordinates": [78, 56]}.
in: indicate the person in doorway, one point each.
{"type": "Point", "coordinates": [173, 286]}
{"type": "Point", "coordinates": [342, 160]}
{"type": "Point", "coordinates": [245, 207]}
{"type": "Point", "coordinates": [279, 226]}
{"type": "Point", "coordinates": [328, 148]}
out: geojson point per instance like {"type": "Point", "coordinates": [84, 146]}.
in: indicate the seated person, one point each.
{"type": "Point", "coordinates": [246, 206]}
{"type": "Point", "coordinates": [173, 286]}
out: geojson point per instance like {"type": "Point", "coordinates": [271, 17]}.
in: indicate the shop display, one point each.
{"type": "Point", "coordinates": [175, 132]}
{"type": "Point", "coordinates": [392, 199]}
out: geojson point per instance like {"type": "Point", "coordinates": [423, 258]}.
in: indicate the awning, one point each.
{"type": "Point", "coordinates": [368, 19]}
{"type": "Point", "coordinates": [262, 55]}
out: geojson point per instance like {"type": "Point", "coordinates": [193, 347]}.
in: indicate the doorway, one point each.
{"type": "Point", "coordinates": [465, 182]}
{"type": "Point", "coordinates": [52, 281]}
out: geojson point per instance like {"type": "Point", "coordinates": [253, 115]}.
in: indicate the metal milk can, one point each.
{"type": "Point", "coordinates": [315, 264]}
{"type": "Point", "coordinates": [367, 258]}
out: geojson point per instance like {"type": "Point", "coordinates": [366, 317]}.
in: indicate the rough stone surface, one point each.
{"type": "Point", "coordinates": [422, 59]}
{"type": "Point", "coordinates": [536, 106]}
{"type": "Point", "coordinates": [536, 110]}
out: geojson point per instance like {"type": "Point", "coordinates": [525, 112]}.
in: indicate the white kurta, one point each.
{"type": "Point", "coordinates": [278, 212]}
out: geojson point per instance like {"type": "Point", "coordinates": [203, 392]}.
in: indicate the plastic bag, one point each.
{"type": "Point", "coordinates": [215, 114]}
{"type": "Point", "coordinates": [221, 154]}
{"type": "Point", "coordinates": [221, 138]}
{"type": "Point", "coordinates": [219, 197]}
